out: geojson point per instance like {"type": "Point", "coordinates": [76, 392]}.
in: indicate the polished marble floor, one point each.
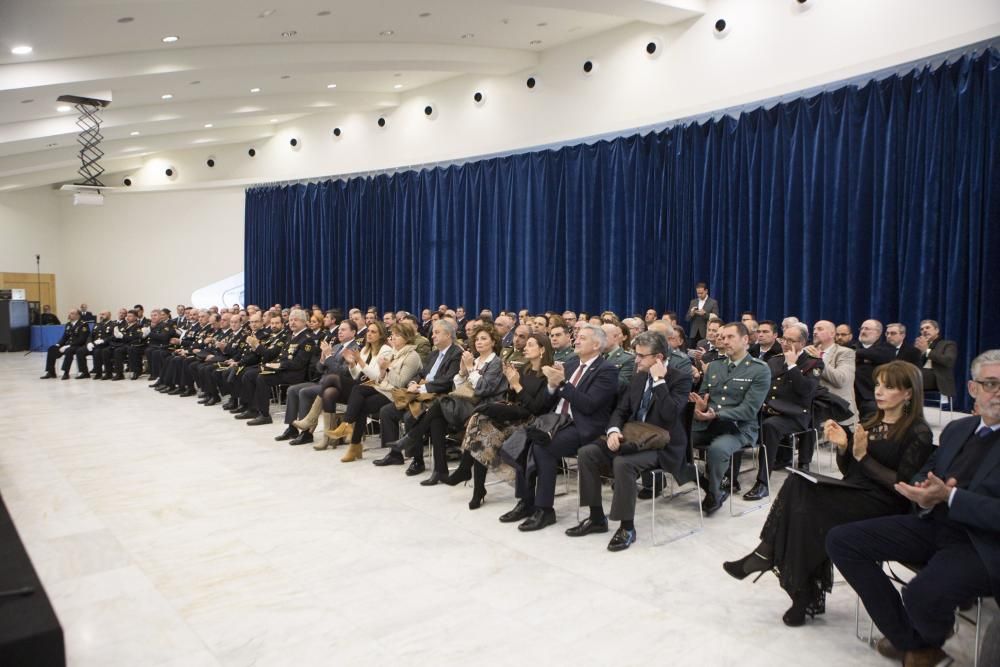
{"type": "Point", "coordinates": [167, 533]}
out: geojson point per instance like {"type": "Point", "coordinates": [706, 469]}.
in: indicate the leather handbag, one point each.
{"type": "Point", "coordinates": [644, 436]}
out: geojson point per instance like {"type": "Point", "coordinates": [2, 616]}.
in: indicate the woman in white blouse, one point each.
{"type": "Point", "coordinates": [391, 368]}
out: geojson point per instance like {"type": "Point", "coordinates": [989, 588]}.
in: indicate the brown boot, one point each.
{"type": "Point", "coordinates": [329, 423]}
{"type": "Point", "coordinates": [343, 431]}
{"type": "Point", "coordinates": [925, 657]}
{"type": "Point", "coordinates": [308, 423]}
{"type": "Point", "coordinates": [354, 453]}
{"type": "Point", "coordinates": [885, 648]}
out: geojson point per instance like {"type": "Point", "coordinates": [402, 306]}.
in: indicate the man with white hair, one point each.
{"type": "Point", "coordinates": [871, 352]}
{"type": "Point", "coordinates": [622, 360]}
{"type": "Point", "coordinates": [582, 391]}
{"type": "Point", "coordinates": [289, 368]}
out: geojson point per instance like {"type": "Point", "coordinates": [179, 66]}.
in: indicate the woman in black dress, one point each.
{"type": "Point", "coordinates": [490, 425]}
{"type": "Point", "coordinates": [891, 447]}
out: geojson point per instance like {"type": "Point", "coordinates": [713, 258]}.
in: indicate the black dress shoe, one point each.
{"type": "Point", "coordinates": [118, 378]}
{"type": "Point", "coordinates": [186, 393]}
{"type": "Point", "coordinates": [521, 510]}
{"type": "Point", "coordinates": [435, 479]}
{"type": "Point", "coordinates": [713, 502]}
{"type": "Point", "coordinates": [586, 527]}
{"type": "Point", "coordinates": [97, 376]}
{"type": "Point", "coordinates": [154, 377]}
{"type": "Point", "coordinates": [539, 519]}
{"type": "Point", "coordinates": [135, 376]}
{"type": "Point", "coordinates": [107, 376]}
{"type": "Point", "coordinates": [212, 400]}
{"type": "Point", "coordinates": [247, 414]}
{"type": "Point", "coordinates": [174, 391]}
{"type": "Point", "coordinates": [416, 467]}
{"type": "Point", "coordinates": [287, 434]}
{"type": "Point", "coordinates": [47, 376]}
{"type": "Point", "coordinates": [260, 421]}
{"type": "Point", "coordinates": [757, 492]}
{"type": "Point", "coordinates": [724, 486]}
{"type": "Point", "coordinates": [163, 388]}
{"type": "Point", "coordinates": [622, 539]}
{"type": "Point", "coordinates": [393, 458]}
{"type": "Point", "coordinates": [203, 399]}
{"type": "Point", "coordinates": [65, 376]}
{"type": "Point", "coordinates": [228, 405]}
{"type": "Point", "coordinates": [155, 385]}
{"type": "Point", "coordinates": [804, 467]}
{"type": "Point", "coordinates": [303, 438]}
{"type": "Point", "coordinates": [82, 376]}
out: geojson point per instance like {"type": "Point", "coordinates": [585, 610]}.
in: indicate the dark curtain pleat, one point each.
{"type": "Point", "coordinates": [880, 201]}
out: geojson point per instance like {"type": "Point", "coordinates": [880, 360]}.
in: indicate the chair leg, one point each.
{"type": "Point", "coordinates": [732, 482]}
{"type": "Point", "coordinates": [979, 623]}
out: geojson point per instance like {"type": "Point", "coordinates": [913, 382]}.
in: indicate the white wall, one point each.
{"type": "Point", "coordinates": [149, 248]}
{"type": "Point", "coordinates": [773, 47]}
{"type": "Point", "coordinates": [29, 226]}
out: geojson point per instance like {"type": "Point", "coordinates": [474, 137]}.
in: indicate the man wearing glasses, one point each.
{"type": "Point", "coordinates": [953, 533]}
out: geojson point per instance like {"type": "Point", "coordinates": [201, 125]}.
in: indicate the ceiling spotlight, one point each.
{"type": "Point", "coordinates": [210, 162]}
{"type": "Point", "coordinates": [336, 132]}
{"type": "Point", "coordinates": [28, 101]}
{"type": "Point", "coordinates": [588, 66]}
{"type": "Point", "coordinates": [478, 97]}
{"type": "Point", "coordinates": [166, 96]}
{"type": "Point", "coordinates": [267, 12]}
{"type": "Point", "coordinates": [331, 85]}
{"type": "Point", "coordinates": [423, 15]}
{"type": "Point", "coordinates": [398, 86]}
{"type": "Point", "coordinates": [542, 24]}
{"type": "Point", "coordinates": [325, 12]}
{"type": "Point", "coordinates": [531, 82]}
{"type": "Point", "coordinates": [208, 125]}
{"type": "Point", "coordinates": [255, 90]}
{"type": "Point", "coordinates": [387, 33]}
{"type": "Point", "coordinates": [126, 19]}
{"type": "Point", "coordinates": [289, 33]}
{"type": "Point", "coordinates": [170, 39]}
{"type": "Point", "coordinates": [468, 35]}
{"type": "Point", "coordinates": [127, 182]}
{"type": "Point", "coordinates": [194, 83]}
{"type": "Point", "coordinates": [252, 152]}
{"type": "Point", "coordinates": [381, 121]}
{"type": "Point", "coordinates": [64, 109]}
{"type": "Point", "coordinates": [534, 42]}
{"type": "Point", "coordinates": [52, 145]}
{"type": "Point", "coordinates": [22, 50]}
{"type": "Point", "coordinates": [286, 76]}
{"type": "Point", "coordinates": [293, 142]}
{"type": "Point", "coordinates": [134, 133]}
{"type": "Point", "coordinates": [721, 28]}
{"type": "Point", "coordinates": [428, 110]}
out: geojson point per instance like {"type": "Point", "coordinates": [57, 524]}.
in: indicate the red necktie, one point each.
{"type": "Point", "coordinates": [573, 380]}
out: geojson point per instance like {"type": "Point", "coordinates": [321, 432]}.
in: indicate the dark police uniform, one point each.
{"type": "Point", "coordinates": [625, 363]}
{"type": "Point", "coordinates": [246, 381]}
{"type": "Point", "coordinates": [130, 338]}
{"type": "Point", "coordinates": [158, 346]}
{"type": "Point", "coordinates": [97, 342]}
{"type": "Point", "coordinates": [246, 356]}
{"type": "Point", "coordinates": [74, 337]}
{"type": "Point", "coordinates": [293, 362]}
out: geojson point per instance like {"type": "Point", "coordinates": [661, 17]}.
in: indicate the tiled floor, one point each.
{"type": "Point", "coordinates": [167, 533]}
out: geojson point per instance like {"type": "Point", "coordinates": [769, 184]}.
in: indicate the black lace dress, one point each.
{"type": "Point", "coordinates": [804, 512]}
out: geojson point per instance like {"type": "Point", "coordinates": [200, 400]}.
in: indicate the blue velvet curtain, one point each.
{"type": "Point", "coordinates": [875, 201]}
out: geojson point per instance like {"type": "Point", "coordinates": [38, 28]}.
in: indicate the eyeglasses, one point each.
{"type": "Point", "coordinates": [991, 386]}
{"type": "Point", "coordinates": [640, 355]}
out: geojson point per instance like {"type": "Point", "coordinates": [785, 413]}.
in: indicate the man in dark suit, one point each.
{"type": "Point", "coordinates": [699, 310]}
{"type": "Point", "coordinates": [938, 357]}
{"type": "Point", "coordinates": [655, 395]}
{"type": "Point", "coordinates": [48, 318]}
{"type": "Point", "coordinates": [85, 314]}
{"type": "Point", "coordinates": [74, 337]}
{"type": "Point", "coordinates": [583, 390]}
{"type": "Point", "coordinates": [954, 535]}
{"type": "Point", "coordinates": [870, 353]}
{"type": "Point", "coordinates": [461, 319]}
{"type": "Point", "coordinates": [895, 336]}
{"type": "Point", "coordinates": [436, 377]}
{"type": "Point", "coordinates": [786, 410]}
{"type": "Point", "coordinates": [767, 346]}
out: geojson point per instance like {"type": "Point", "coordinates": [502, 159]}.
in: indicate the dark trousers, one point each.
{"type": "Point", "coordinates": [119, 355]}
{"type": "Point", "coordinates": [155, 356]}
{"type": "Point", "coordinates": [262, 388]}
{"type": "Point", "coordinates": [930, 380]}
{"type": "Point", "coordinates": [136, 353]}
{"type": "Point", "coordinates": [247, 385]}
{"type": "Point", "coordinates": [432, 423]}
{"type": "Point", "coordinates": [773, 431]}
{"type": "Point", "coordinates": [364, 401]}
{"type": "Point", "coordinates": [538, 488]}
{"type": "Point", "coordinates": [595, 460]}
{"type": "Point", "coordinates": [81, 359]}
{"type": "Point", "coordinates": [299, 400]}
{"type": "Point", "coordinates": [954, 574]}
{"type": "Point", "coordinates": [67, 357]}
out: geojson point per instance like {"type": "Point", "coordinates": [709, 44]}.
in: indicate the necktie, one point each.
{"type": "Point", "coordinates": [647, 398]}
{"type": "Point", "coordinates": [434, 369]}
{"type": "Point", "coordinates": [984, 432]}
{"type": "Point", "coordinates": [573, 380]}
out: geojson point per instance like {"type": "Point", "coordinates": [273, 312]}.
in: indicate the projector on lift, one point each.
{"type": "Point", "coordinates": [89, 192]}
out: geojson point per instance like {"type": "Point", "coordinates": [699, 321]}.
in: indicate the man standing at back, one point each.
{"type": "Point", "coordinates": [699, 310]}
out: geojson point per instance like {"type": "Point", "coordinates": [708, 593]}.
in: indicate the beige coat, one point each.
{"type": "Point", "coordinates": [838, 377]}
{"type": "Point", "coordinates": [403, 367]}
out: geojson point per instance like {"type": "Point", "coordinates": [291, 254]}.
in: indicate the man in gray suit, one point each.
{"type": "Point", "coordinates": [699, 310]}
{"type": "Point", "coordinates": [837, 376]}
{"type": "Point", "coordinates": [938, 357]}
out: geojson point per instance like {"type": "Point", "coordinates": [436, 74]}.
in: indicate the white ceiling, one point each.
{"type": "Point", "coordinates": [228, 47]}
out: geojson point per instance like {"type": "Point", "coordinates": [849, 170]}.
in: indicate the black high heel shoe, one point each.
{"type": "Point", "coordinates": [802, 605]}
{"type": "Point", "coordinates": [463, 473]}
{"type": "Point", "coordinates": [744, 567]}
{"type": "Point", "coordinates": [477, 499]}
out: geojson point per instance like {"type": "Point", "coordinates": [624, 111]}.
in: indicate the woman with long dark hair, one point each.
{"type": "Point", "coordinates": [890, 447]}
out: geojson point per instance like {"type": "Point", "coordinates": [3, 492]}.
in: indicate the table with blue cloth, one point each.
{"type": "Point", "coordinates": [44, 336]}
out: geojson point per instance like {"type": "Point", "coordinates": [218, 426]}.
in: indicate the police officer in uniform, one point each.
{"type": "Point", "coordinates": [289, 368]}
{"type": "Point", "coordinates": [217, 330]}
{"type": "Point", "coordinates": [247, 356]}
{"type": "Point", "coordinates": [190, 343]}
{"type": "Point", "coordinates": [75, 335]}
{"type": "Point", "coordinates": [128, 337]}
{"type": "Point", "coordinates": [229, 351]}
{"type": "Point", "coordinates": [725, 413]}
{"type": "Point", "coordinates": [266, 352]}
{"type": "Point", "coordinates": [96, 344]}
{"type": "Point", "coordinates": [161, 332]}
{"type": "Point", "coordinates": [616, 354]}
{"type": "Point", "coordinates": [794, 380]}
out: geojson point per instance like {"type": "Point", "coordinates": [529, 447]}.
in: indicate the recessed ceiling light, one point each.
{"type": "Point", "coordinates": [170, 39]}
{"type": "Point", "coordinates": [331, 85]}
{"type": "Point", "coordinates": [22, 50]}
{"type": "Point", "coordinates": [166, 96]}
{"type": "Point", "coordinates": [194, 83]}
{"type": "Point", "coordinates": [535, 42]}
{"type": "Point", "coordinates": [387, 33]}
{"type": "Point", "coordinates": [325, 12]}
{"type": "Point", "coordinates": [134, 133]}
{"type": "Point", "coordinates": [64, 108]}
{"type": "Point", "coordinates": [267, 12]}
{"type": "Point", "coordinates": [255, 90]}
{"type": "Point", "coordinates": [53, 145]}
{"type": "Point", "coordinates": [208, 125]}
{"type": "Point", "coordinates": [468, 35]}
{"type": "Point", "coordinates": [126, 19]}
{"type": "Point", "coordinates": [289, 33]}
{"type": "Point", "coordinates": [424, 15]}
{"type": "Point", "coordinates": [286, 76]}
{"type": "Point", "coordinates": [398, 86]}
{"type": "Point", "coordinates": [29, 101]}
{"type": "Point", "coordinates": [542, 24]}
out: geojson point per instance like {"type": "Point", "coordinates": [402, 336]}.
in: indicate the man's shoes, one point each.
{"type": "Point", "coordinates": [163, 388]}
{"type": "Point", "coordinates": [118, 378]}
{"type": "Point", "coordinates": [586, 527]}
{"type": "Point", "coordinates": [712, 502]}
{"type": "Point", "coordinates": [393, 458]}
{"type": "Point", "coordinates": [303, 438]}
{"type": "Point", "coordinates": [404, 445]}
{"type": "Point", "coordinates": [287, 434]}
{"type": "Point", "coordinates": [521, 510]}
{"type": "Point", "coordinates": [539, 519]}
{"type": "Point", "coordinates": [622, 539]}
{"type": "Point", "coordinates": [416, 467]}
{"type": "Point", "coordinates": [804, 467]}
{"type": "Point", "coordinates": [212, 400]}
{"type": "Point", "coordinates": [260, 421]}
{"type": "Point", "coordinates": [82, 376]}
{"type": "Point", "coordinates": [757, 492]}
{"type": "Point", "coordinates": [725, 485]}
{"type": "Point", "coordinates": [247, 414]}
{"type": "Point", "coordinates": [186, 393]}
{"type": "Point", "coordinates": [65, 375]}
{"type": "Point", "coordinates": [229, 405]}
{"type": "Point", "coordinates": [925, 657]}
{"type": "Point", "coordinates": [435, 479]}
{"type": "Point", "coordinates": [97, 376]}
{"type": "Point", "coordinates": [886, 649]}
{"type": "Point", "coordinates": [47, 376]}
{"type": "Point", "coordinates": [135, 376]}
{"type": "Point", "coordinates": [203, 399]}
{"type": "Point", "coordinates": [172, 392]}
